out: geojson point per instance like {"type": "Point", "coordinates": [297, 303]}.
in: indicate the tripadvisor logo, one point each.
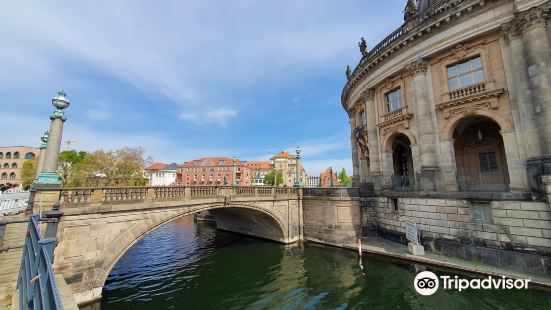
{"type": "Point", "coordinates": [427, 283]}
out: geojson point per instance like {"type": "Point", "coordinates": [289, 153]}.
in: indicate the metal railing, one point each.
{"type": "Point", "coordinates": [496, 181]}
{"type": "Point", "coordinates": [36, 283]}
{"type": "Point", "coordinates": [403, 183]}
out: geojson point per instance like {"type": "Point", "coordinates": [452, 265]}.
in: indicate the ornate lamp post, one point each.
{"type": "Point", "coordinates": [234, 165]}
{"type": "Point", "coordinates": [42, 155]}
{"type": "Point", "coordinates": [48, 176]}
{"type": "Point", "coordinates": [298, 183]}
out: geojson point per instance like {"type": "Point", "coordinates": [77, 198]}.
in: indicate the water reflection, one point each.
{"type": "Point", "coordinates": [192, 266]}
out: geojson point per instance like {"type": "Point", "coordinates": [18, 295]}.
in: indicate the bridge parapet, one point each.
{"type": "Point", "coordinates": [82, 196]}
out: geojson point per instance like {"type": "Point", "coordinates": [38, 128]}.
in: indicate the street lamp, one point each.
{"type": "Point", "coordinates": [42, 154]}
{"type": "Point", "coordinates": [48, 176]}
{"type": "Point", "coordinates": [234, 165]}
{"type": "Point", "coordinates": [298, 183]}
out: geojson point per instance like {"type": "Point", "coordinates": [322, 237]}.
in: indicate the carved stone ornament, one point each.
{"type": "Point", "coordinates": [395, 128]}
{"type": "Point", "coordinates": [418, 67]}
{"type": "Point", "coordinates": [368, 94]}
{"type": "Point", "coordinates": [537, 16]}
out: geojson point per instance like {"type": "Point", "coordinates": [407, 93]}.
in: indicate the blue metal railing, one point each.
{"type": "Point", "coordinates": [36, 282]}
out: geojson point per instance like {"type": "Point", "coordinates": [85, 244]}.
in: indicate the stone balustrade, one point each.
{"type": "Point", "coordinates": [76, 196]}
{"type": "Point", "coordinates": [395, 114]}
{"type": "Point", "coordinates": [467, 91]}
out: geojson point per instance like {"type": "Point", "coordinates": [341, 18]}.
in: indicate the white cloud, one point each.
{"type": "Point", "coordinates": [219, 116]}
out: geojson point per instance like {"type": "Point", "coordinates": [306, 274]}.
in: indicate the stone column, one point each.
{"type": "Point", "coordinates": [429, 172]}
{"type": "Point", "coordinates": [514, 165]}
{"type": "Point", "coordinates": [355, 157]}
{"type": "Point", "coordinates": [538, 58]}
{"type": "Point", "coordinates": [371, 115]}
{"type": "Point", "coordinates": [449, 166]}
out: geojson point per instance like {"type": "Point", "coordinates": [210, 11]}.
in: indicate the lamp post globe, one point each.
{"type": "Point", "coordinates": [44, 137]}
{"type": "Point", "coordinates": [60, 101]}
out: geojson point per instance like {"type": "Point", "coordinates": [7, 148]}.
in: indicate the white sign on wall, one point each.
{"type": "Point", "coordinates": [411, 232]}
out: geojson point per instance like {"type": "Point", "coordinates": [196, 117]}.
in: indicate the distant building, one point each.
{"type": "Point", "coordinates": [160, 174]}
{"type": "Point", "coordinates": [258, 170]}
{"type": "Point", "coordinates": [313, 181]}
{"type": "Point", "coordinates": [325, 178]}
{"type": "Point", "coordinates": [287, 163]}
{"type": "Point", "coordinates": [214, 171]}
{"type": "Point", "coordinates": [11, 162]}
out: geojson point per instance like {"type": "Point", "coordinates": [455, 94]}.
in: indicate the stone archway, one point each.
{"type": "Point", "coordinates": [90, 246]}
{"type": "Point", "coordinates": [480, 156]}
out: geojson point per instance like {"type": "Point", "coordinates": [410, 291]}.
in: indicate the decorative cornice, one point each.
{"type": "Point", "coordinates": [419, 66]}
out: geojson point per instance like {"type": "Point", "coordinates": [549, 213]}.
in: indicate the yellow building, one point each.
{"type": "Point", "coordinates": [287, 164]}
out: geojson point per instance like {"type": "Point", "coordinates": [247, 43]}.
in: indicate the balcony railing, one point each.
{"type": "Point", "coordinates": [497, 181]}
{"type": "Point", "coordinates": [467, 91]}
{"type": "Point", "coordinates": [394, 114]}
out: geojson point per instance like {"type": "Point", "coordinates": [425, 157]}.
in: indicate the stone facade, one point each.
{"type": "Point", "coordinates": [450, 123]}
{"type": "Point", "coordinates": [287, 164]}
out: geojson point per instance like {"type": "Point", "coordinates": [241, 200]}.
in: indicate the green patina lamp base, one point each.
{"type": "Point", "coordinates": [48, 178]}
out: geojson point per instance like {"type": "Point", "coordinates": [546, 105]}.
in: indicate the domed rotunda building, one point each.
{"type": "Point", "coordinates": [451, 125]}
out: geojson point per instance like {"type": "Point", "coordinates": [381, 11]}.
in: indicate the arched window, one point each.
{"type": "Point", "coordinates": [6, 166]}
{"type": "Point", "coordinates": [12, 176]}
{"type": "Point", "coordinates": [29, 155]}
{"type": "Point", "coordinates": [4, 176]}
{"type": "Point", "coordinates": [1, 155]}
{"type": "Point", "coordinates": [14, 166]}
{"type": "Point", "coordinates": [16, 155]}
{"type": "Point", "coordinates": [8, 155]}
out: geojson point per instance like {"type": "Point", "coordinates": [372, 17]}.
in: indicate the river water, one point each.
{"type": "Point", "coordinates": [187, 265]}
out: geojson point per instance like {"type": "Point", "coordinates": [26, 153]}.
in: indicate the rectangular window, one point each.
{"type": "Point", "coordinates": [482, 211]}
{"type": "Point", "coordinates": [196, 162]}
{"type": "Point", "coordinates": [221, 163]}
{"type": "Point", "coordinates": [466, 73]}
{"type": "Point", "coordinates": [394, 100]}
{"type": "Point", "coordinates": [488, 162]}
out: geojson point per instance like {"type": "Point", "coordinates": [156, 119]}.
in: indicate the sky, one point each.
{"type": "Point", "coordinates": [188, 79]}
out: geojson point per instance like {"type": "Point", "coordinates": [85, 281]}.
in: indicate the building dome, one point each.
{"type": "Point", "coordinates": [426, 4]}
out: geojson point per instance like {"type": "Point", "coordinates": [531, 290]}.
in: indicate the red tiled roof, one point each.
{"type": "Point", "coordinates": [212, 161]}
{"type": "Point", "coordinates": [263, 165]}
{"type": "Point", "coordinates": [283, 154]}
{"type": "Point", "coordinates": [155, 166]}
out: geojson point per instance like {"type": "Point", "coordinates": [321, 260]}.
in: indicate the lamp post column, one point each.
{"type": "Point", "coordinates": [48, 175]}
{"type": "Point", "coordinates": [42, 154]}
{"type": "Point", "coordinates": [234, 166]}
{"type": "Point", "coordinates": [298, 182]}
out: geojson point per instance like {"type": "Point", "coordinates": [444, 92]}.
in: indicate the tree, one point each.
{"type": "Point", "coordinates": [343, 177]}
{"type": "Point", "coordinates": [269, 178]}
{"type": "Point", "coordinates": [125, 164]}
{"type": "Point", "coordinates": [28, 172]}
{"type": "Point", "coordinates": [69, 162]}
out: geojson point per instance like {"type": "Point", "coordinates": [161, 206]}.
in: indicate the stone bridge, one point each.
{"type": "Point", "coordinates": [99, 225]}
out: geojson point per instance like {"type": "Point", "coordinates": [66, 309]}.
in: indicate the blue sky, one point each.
{"type": "Point", "coordinates": [188, 79]}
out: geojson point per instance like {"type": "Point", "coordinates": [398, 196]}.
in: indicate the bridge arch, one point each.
{"type": "Point", "coordinates": [119, 235]}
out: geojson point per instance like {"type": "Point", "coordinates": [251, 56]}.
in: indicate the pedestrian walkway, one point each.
{"type": "Point", "coordinates": [10, 261]}
{"type": "Point", "coordinates": [383, 247]}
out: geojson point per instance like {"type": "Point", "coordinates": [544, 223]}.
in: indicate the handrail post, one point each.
{"type": "Point", "coordinates": [52, 221]}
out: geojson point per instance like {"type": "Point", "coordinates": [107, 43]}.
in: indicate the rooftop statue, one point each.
{"type": "Point", "coordinates": [363, 46]}
{"type": "Point", "coordinates": [410, 10]}
{"type": "Point", "coordinates": [348, 72]}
